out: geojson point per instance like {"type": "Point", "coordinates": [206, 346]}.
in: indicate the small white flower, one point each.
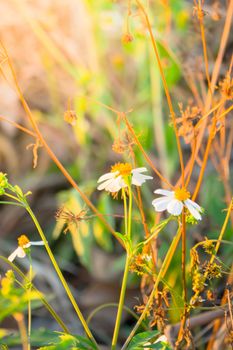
{"type": "Point", "coordinates": [23, 243]}
{"type": "Point", "coordinates": [175, 201]}
{"type": "Point", "coordinates": [115, 180]}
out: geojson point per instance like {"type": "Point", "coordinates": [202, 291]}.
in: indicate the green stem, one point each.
{"type": "Point", "coordinates": [161, 274]}
{"type": "Point", "coordinates": [128, 221]}
{"type": "Point", "coordinates": [155, 233]}
{"type": "Point", "coordinates": [125, 210]}
{"type": "Point", "coordinates": [121, 303]}
{"type": "Point", "coordinates": [107, 305]}
{"type": "Point", "coordinates": [12, 197]}
{"type": "Point", "coordinates": [61, 277]}
{"type": "Point", "coordinates": [130, 213]}
{"type": "Point", "coordinates": [12, 203]}
{"type": "Point", "coordinates": [29, 304]}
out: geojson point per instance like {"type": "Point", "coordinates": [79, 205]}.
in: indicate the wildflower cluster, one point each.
{"type": "Point", "coordinates": [123, 175]}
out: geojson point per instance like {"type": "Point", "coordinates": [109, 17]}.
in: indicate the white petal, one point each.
{"type": "Point", "coordinates": [116, 185]}
{"type": "Point", "coordinates": [37, 243]}
{"type": "Point", "coordinates": [194, 204]}
{"type": "Point", "coordinates": [107, 176]}
{"type": "Point", "coordinates": [164, 192]}
{"type": "Point", "coordinates": [21, 253]}
{"type": "Point", "coordinates": [105, 184]}
{"type": "Point", "coordinates": [13, 255]}
{"type": "Point", "coordinates": [139, 170]}
{"type": "Point", "coordinates": [139, 179]}
{"type": "Point", "coordinates": [189, 204]}
{"type": "Point", "coordinates": [161, 203]}
{"type": "Point", "coordinates": [18, 252]}
{"type": "Point", "coordinates": [27, 245]}
{"type": "Point", "coordinates": [175, 207]}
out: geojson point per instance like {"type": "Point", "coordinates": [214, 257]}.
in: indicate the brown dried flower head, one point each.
{"type": "Point", "coordinates": [213, 270]}
{"type": "Point", "coordinates": [70, 218]}
{"type": "Point", "coordinates": [70, 117]}
{"type": "Point", "coordinates": [198, 281]}
{"type": "Point", "coordinates": [226, 87]}
{"type": "Point", "coordinates": [186, 123]}
{"type": "Point", "coordinates": [127, 38]}
{"type": "Point", "coordinates": [195, 262]}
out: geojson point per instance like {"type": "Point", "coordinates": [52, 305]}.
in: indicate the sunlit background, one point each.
{"type": "Point", "coordinates": [88, 57]}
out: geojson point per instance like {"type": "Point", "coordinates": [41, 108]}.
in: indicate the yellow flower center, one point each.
{"type": "Point", "coordinates": [22, 241]}
{"type": "Point", "coordinates": [182, 194]}
{"type": "Point", "coordinates": [123, 168]}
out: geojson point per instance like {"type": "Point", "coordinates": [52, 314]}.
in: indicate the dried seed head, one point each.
{"type": "Point", "coordinates": [70, 117]}
{"type": "Point", "coordinates": [213, 270]}
{"type": "Point", "coordinates": [198, 281]}
{"type": "Point", "coordinates": [226, 87]}
{"type": "Point", "coordinates": [208, 246]}
{"type": "Point", "coordinates": [127, 38]}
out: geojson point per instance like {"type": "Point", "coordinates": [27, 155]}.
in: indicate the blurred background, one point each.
{"type": "Point", "coordinates": [71, 55]}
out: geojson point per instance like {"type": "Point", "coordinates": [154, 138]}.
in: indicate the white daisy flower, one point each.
{"type": "Point", "coordinates": [115, 180]}
{"type": "Point", "coordinates": [23, 243]}
{"type": "Point", "coordinates": [175, 201]}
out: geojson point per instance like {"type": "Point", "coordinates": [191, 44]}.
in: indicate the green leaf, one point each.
{"type": "Point", "coordinates": [39, 337]}
{"type": "Point", "coordinates": [160, 346]}
{"type": "Point", "coordinates": [138, 342]}
{"type": "Point", "coordinates": [68, 341]}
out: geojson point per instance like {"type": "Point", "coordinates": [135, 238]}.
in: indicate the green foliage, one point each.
{"type": "Point", "coordinates": [13, 298]}
{"type": "Point", "coordinates": [72, 342]}
{"type": "Point", "coordinates": [39, 337]}
{"type": "Point", "coordinates": [146, 341]}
